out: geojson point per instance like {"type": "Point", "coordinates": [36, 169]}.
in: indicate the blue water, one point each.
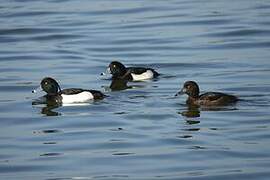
{"type": "Point", "coordinates": [143, 132]}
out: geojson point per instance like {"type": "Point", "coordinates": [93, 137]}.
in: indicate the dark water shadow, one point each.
{"type": "Point", "coordinates": [48, 107]}
{"type": "Point", "coordinates": [195, 111]}
{"type": "Point", "coordinates": [47, 131]}
{"type": "Point", "coordinates": [221, 108]}
{"type": "Point", "coordinates": [49, 111]}
{"type": "Point", "coordinates": [116, 85]}
{"type": "Point", "coordinates": [192, 111]}
{"type": "Point", "coordinates": [51, 154]}
{"type": "Point", "coordinates": [119, 85]}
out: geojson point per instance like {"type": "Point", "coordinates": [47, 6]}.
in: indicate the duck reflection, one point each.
{"type": "Point", "coordinates": [119, 85]}
{"type": "Point", "coordinates": [48, 111]}
{"type": "Point", "coordinates": [48, 108]}
{"type": "Point", "coordinates": [191, 114]}
{"type": "Point", "coordinates": [192, 111]}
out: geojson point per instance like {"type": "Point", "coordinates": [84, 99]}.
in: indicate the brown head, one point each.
{"type": "Point", "coordinates": [190, 88]}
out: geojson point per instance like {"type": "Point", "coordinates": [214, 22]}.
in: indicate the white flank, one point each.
{"type": "Point", "coordinates": [77, 98]}
{"type": "Point", "coordinates": [146, 75]}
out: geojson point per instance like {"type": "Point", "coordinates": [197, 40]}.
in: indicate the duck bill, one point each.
{"type": "Point", "coordinates": [38, 89]}
{"type": "Point", "coordinates": [108, 71]}
{"type": "Point", "coordinates": [183, 91]}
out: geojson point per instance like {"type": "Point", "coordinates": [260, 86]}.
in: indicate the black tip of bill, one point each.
{"type": "Point", "coordinates": [180, 92]}
{"type": "Point", "coordinates": [38, 89]}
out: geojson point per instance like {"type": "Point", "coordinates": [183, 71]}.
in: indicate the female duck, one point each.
{"type": "Point", "coordinates": [119, 71]}
{"type": "Point", "coordinates": [66, 96]}
{"type": "Point", "coordinates": [191, 88]}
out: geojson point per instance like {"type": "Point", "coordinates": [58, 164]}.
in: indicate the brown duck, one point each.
{"type": "Point", "coordinates": [191, 88]}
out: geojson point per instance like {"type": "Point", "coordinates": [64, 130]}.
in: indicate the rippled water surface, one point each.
{"type": "Point", "coordinates": [143, 132]}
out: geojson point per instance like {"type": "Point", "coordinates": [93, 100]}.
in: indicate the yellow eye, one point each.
{"type": "Point", "coordinates": [114, 65]}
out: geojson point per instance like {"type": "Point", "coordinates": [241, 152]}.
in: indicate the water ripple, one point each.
{"type": "Point", "coordinates": [142, 132]}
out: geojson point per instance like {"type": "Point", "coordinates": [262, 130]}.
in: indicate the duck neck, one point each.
{"type": "Point", "coordinates": [125, 75]}
{"type": "Point", "coordinates": [192, 100]}
{"type": "Point", "coordinates": [194, 94]}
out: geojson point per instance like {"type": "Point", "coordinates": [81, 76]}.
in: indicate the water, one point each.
{"type": "Point", "coordinates": [141, 132]}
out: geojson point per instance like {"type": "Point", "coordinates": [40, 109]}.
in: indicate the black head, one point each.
{"type": "Point", "coordinates": [190, 88]}
{"type": "Point", "coordinates": [50, 86]}
{"type": "Point", "coordinates": [117, 69]}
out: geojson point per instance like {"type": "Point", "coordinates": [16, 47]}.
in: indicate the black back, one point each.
{"type": "Point", "coordinates": [71, 91]}
{"type": "Point", "coordinates": [119, 71]}
{"type": "Point", "coordinates": [140, 70]}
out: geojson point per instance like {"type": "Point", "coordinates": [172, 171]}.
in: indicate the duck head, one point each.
{"type": "Point", "coordinates": [117, 69]}
{"type": "Point", "coordinates": [190, 88]}
{"type": "Point", "coordinates": [49, 85]}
